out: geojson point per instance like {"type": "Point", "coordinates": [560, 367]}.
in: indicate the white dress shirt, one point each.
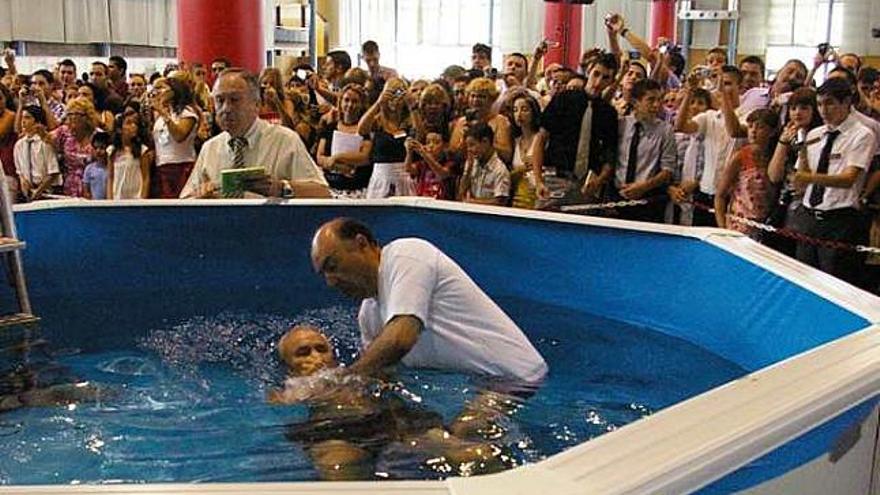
{"type": "Point", "coordinates": [277, 149]}
{"type": "Point", "coordinates": [35, 159]}
{"type": "Point", "coordinates": [854, 147]}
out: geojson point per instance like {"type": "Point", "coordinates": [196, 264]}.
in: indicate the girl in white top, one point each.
{"type": "Point", "coordinates": [35, 160]}
{"type": "Point", "coordinates": [130, 159]}
{"type": "Point", "coordinates": [174, 134]}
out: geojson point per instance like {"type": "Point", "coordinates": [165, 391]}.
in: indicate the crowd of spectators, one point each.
{"type": "Point", "coordinates": [715, 144]}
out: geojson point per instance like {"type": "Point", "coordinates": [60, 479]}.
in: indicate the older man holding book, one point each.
{"type": "Point", "coordinates": [251, 155]}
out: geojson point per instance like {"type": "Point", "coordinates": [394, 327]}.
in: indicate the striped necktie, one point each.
{"type": "Point", "coordinates": [237, 146]}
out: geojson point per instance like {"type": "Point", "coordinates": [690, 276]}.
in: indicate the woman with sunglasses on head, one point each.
{"type": "Point", "coordinates": [388, 123]}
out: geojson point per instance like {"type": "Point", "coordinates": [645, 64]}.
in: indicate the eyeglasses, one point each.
{"type": "Point", "coordinates": [217, 69]}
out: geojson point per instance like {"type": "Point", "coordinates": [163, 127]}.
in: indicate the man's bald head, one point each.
{"type": "Point", "coordinates": [306, 350]}
{"type": "Point", "coordinates": [347, 254]}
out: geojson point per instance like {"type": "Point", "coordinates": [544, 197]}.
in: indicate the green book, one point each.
{"type": "Point", "coordinates": [234, 181]}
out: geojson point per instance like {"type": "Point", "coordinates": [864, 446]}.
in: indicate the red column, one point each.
{"type": "Point", "coordinates": [662, 20]}
{"type": "Point", "coordinates": [207, 29]}
{"type": "Point", "coordinates": [562, 26]}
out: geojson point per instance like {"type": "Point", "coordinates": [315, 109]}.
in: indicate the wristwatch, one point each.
{"type": "Point", "coordinates": [286, 189]}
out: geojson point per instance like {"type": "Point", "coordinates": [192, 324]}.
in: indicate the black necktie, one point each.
{"type": "Point", "coordinates": [819, 191]}
{"type": "Point", "coordinates": [633, 158]}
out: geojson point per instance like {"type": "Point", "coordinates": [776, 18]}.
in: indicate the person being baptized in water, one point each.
{"type": "Point", "coordinates": [352, 422]}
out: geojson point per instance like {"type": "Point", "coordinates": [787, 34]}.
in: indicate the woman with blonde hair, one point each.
{"type": "Point", "coordinates": [73, 143]}
{"type": "Point", "coordinates": [481, 95]}
{"type": "Point", "coordinates": [433, 113]}
{"type": "Point", "coordinates": [388, 123]}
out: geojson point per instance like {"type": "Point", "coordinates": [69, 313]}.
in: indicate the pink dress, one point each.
{"type": "Point", "coordinates": [752, 192]}
{"type": "Point", "coordinates": [75, 157]}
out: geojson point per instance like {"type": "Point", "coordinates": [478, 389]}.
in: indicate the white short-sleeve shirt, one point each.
{"type": "Point", "coordinates": [490, 180]}
{"type": "Point", "coordinates": [167, 149]}
{"type": "Point", "coordinates": [854, 147]}
{"type": "Point", "coordinates": [718, 145]}
{"type": "Point", "coordinates": [35, 160]}
{"type": "Point", "coordinates": [463, 329]}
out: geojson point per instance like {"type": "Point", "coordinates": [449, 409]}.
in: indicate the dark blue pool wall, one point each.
{"type": "Point", "coordinates": [199, 260]}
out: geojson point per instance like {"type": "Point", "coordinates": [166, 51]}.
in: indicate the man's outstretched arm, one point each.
{"type": "Point", "coordinates": [395, 341]}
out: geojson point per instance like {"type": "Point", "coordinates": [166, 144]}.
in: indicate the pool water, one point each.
{"type": "Point", "coordinates": [184, 401]}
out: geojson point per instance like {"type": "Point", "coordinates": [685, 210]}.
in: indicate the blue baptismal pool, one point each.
{"type": "Point", "coordinates": [173, 309]}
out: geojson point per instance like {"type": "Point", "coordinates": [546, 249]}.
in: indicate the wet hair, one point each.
{"type": "Point", "coordinates": [642, 87]}
{"type": "Point", "coordinates": [347, 229]}
{"type": "Point", "coordinates": [370, 47]}
{"type": "Point", "coordinates": [753, 59]}
{"type": "Point", "coordinates": [341, 59]}
{"type": "Point", "coordinates": [36, 112]}
{"type": "Point", "coordinates": [480, 131]}
{"type": "Point", "coordinates": [839, 89]}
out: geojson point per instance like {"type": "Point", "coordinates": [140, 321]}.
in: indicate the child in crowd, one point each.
{"type": "Point", "coordinates": [95, 175]}
{"type": "Point", "coordinates": [35, 161]}
{"type": "Point", "coordinates": [485, 179]}
{"type": "Point", "coordinates": [433, 167]}
{"type": "Point", "coordinates": [745, 186]}
{"type": "Point", "coordinates": [130, 160]}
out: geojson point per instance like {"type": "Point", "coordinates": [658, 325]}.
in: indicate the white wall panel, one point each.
{"type": "Point", "coordinates": [86, 21]}
{"type": "Point", "coordinates": [131, 20]}
{"type": "Point", "coordinates": [5, 20]}
{"type": "Point", "coordinates": [38, 20]}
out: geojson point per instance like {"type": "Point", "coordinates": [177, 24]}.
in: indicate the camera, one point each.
{"type": "Point", "coordinates": [470, 114]}
{"type": "Point", "coordinates": [635, 55]}
{"type": "Point", "coordinates": [492, 73]}
{"type": "Point", "coordinates": [823, 48]}
{"type": "Point", "coordinates": [302, 74]}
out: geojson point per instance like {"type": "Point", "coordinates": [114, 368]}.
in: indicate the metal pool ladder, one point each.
{"type": "Point", "coordinates": [10, 247]}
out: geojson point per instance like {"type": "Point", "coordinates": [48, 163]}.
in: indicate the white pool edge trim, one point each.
{"type": "Point", "coordinates": [677, 450]}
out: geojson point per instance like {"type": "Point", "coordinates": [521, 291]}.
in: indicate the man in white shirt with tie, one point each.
{"type": "Point", "coordinates": [248, 141]}
{"type": "Point", "coordinates": [833, 168]}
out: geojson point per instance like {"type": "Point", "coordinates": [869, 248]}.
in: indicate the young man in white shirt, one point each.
{"type": "Point", "coordinates": [248, 141]}
{"type": "Point", "coordinates": [722, 131]}
{"type": "Point", "coordinates": [837, 158]}
{"type": "Point", "coordinates": [486, 179]}
{"type": "Point", "coordinates": [35, 161]}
